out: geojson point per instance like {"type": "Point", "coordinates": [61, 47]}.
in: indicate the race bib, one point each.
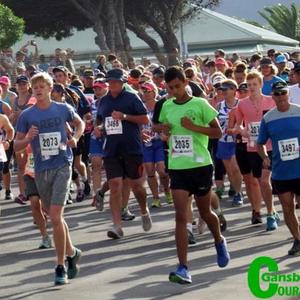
{"type": "Point", "coordinates": [50, 143]}
{"type": "Point", "coordinates": [254, 132]}
{"type": "Point", "coordinates": [182, 145]}
{"type": "Point", "coordinates": [289, 149]}
{"type": "Point", "coordinates": [113, 126]}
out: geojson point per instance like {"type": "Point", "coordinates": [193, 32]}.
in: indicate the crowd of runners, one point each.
{"type": "Point", "coordinates": [180, 130]}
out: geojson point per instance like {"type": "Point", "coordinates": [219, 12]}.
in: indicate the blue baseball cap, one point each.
{"type": "Point", "coordinates": [116, 74]}
{"type": "Point", "coordinates": [280, 59]}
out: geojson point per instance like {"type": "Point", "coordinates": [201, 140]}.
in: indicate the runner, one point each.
{"type": "Point", "coordinates": [122, 113]}
{"type": "Point", "coordinates": [43, 126]}
{"type": "Point", "coordinates": [250, 112]}
{"type": "Point", "coordinates": [189, 121]}
{"type": "Point", "coordinates": [153, 149]}
{"type": "Point", "coordinates": [32, 195]}
{"type": "Point", "coordinates": [282, 126]}
{"type": "Point", "coordinates": [227, 143]}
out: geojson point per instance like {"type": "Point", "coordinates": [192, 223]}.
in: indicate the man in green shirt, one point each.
{"type": "Point", "coordinates": [189, 122]}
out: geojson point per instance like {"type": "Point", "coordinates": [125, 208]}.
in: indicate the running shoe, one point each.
{"type": "Point", "coordinates": [231, 191]}
{"type": "Point", "coordinates": [21, 199]}
{"type": "Point", "coordinates": [45, 243]}
{"type": "Point", "coordinates": [237, 200]}
{"type": "Point", "coordinates": [222, 221]}
{"type": "Point", "coordinates": [271, 223]}
{"type": "Point", "coordinates": [169, 198]}
{"type": "Point", "coordinates": [80, 196]}
{"type": "Point", "coordinates": [99, 201]}
{"type": "Point", "coordinates": [223, 256]}
{"type": "Point", "coordinates": [295, 250]}
{"type": "Point", "coordinates": [8, 195]}
{"type": "Point", "coordinates": [127, 215]}
{"type": "Point", "coordinates": [201, 225]}
{"type": "Point", "coordinates": [277, 217]}
{"type": "Point", "coordinates": [191, 238]}
{"type": "Point", "coordinates": [146, 221]}
{"type": "Point", "coordinates": [73, 267]}
{"type": "Point", "coordinates": [220, 191]}
{"type": "Point", "coordinates": [60, 275]}
{"type": "Point", "coordinates": [115, 233]}
{"type": "Point", "coordinates": [155, 203]}
{"type": "Point", "coordinates": [181, 275]}
{"type": "Point", "coordinates": [87, 188]}
{"type": "Point", "coordinates": [256, 218]}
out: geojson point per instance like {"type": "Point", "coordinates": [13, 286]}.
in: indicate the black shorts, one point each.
{"type": "Point", "coordinates": [125, 166]}
{"type": "Point", "coordinates": [286, 186]}
{"type": "Point", "coordinates": [250, 162]}
{"type": "Point", "coordinates": [197, 181]}
{"type": "Point", "coordinates": [80, 149]}
{"type": "Point", "coordinates": [242, 158]}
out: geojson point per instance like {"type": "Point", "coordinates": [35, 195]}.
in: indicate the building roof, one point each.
{"type": "Point", "coordinates": [218, 28]}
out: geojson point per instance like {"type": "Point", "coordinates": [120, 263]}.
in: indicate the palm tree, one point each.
{"type": "Point", "coordinates": [283, 20]}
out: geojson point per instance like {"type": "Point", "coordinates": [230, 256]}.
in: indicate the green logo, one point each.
{"type": "Point", "coordinates": [276, 282]}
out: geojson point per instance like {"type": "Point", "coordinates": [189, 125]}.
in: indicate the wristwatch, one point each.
{"type": "Point", "coordinates": [124, 116]}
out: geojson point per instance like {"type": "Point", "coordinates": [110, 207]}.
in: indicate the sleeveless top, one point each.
{"type": "Point", "coordinates": [223, 118]}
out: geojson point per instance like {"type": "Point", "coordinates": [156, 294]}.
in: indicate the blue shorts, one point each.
{"type": "Point", "coordinates": [96, 146]}
{"type": "Point", "coordinates": [225, 150]}
{"type": "Point", "coordinates": [154, 153]}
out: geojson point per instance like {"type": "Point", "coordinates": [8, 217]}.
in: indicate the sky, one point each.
{"type": "Point", "coordinates": [248, 9]}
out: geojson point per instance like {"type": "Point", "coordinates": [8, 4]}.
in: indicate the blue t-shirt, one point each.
{"type": "Point", "coordinates": [121, 137]}
{"type": "Point", "coordinates": [283, 128]}
{"type": "Point", "coordinates": [267, 86]}
{"type": "Point", "coordinates": [49, 147]}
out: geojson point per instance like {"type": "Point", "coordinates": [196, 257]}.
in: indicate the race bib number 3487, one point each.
{"type": "Point", "coordinates": [182, 145]}
{"type": "Point", "coordinates": [289, 149]}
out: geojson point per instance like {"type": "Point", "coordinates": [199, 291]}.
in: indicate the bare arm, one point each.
{"type": "Point", "coordinates": [138, 119]}
{"type": "Point", "coordinates": [262, 151]}
{"type": "Point", "coordinates": [6, 109]}
{"type": "Point", "coordinates": [79, 126]}
{"type": "Point", "coordinates": [213, 131]}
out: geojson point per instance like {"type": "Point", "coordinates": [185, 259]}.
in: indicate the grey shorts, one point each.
{"type": "Point", "coordinates": [53, 185]}
{"type": "Point", "coordinates": [30, 187]}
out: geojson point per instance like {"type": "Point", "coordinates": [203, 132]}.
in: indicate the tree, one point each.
{"type": "Point", "coordinates": [283, 20]}
{"type": "Point", "coordinates": [110, 20]}
{"type": "Point", "coordinates": [12, 27]}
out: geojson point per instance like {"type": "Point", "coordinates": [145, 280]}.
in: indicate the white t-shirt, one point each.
{"type": "Point", "coordinates": [294, 94]}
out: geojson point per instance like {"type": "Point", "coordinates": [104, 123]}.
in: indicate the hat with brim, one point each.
{"type": "Point", "coordinates": [4, 80]}
{"type": "Point", "coordinates": [60, 69]}
{"type": "Point", "coordinates": [243, 87]}
{"type": "Point", "coordinates": [100, 84]}
{"type": "Point", "coordinates": [22, 78]}
{"type": "Point", "coordinates": [280, 86]}
{"type": "Point", "coordinates": [266, 62]}
{"type": "Point", "coordinates": [115, 74]}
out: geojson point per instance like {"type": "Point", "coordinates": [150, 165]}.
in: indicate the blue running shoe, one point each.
{"type": "Point", "coordinates": [277, 217]}
{"type": "Point", "coordinates": [222, 254]}
{"type": "Point", "coordinates": [61, 277]}
{"type": "Point", "coordinates": [271, 223]}
{"type": "Point", "coordinates": [73, 264]}
{"type": "Point", "coordinates": [237, 200]}
{"type": "Point", "coordinates": [181, 275]}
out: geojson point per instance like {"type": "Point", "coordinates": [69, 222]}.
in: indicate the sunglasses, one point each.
{"type": "Point", "coordinates": [146, 91]}
{"type": "Point", "coordinates": [280, 93]}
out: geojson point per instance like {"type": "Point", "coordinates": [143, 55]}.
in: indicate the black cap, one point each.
{"type": "Point", "coordinates": [158, 72]}
{"type": "Point", "coordinates": [88, 73]}
{"type": "Point", "coordinates": [297, 66]}
{"type": "Point", "coordinates": [243, 87]}
{"type": "Point", "coordinates": [280, 86]}
{"type": "Point", "coordinates": [266, 61]}
{"type": "Point", "coordinates": [22, 78]}
{"type": "Point", "coordinates": [116, 74]}
{"type": "Point", "coordinates": [61, 69]}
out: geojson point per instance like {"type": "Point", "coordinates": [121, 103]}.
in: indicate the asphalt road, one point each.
{"type": "Point", "coordinates": [137, 266]}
